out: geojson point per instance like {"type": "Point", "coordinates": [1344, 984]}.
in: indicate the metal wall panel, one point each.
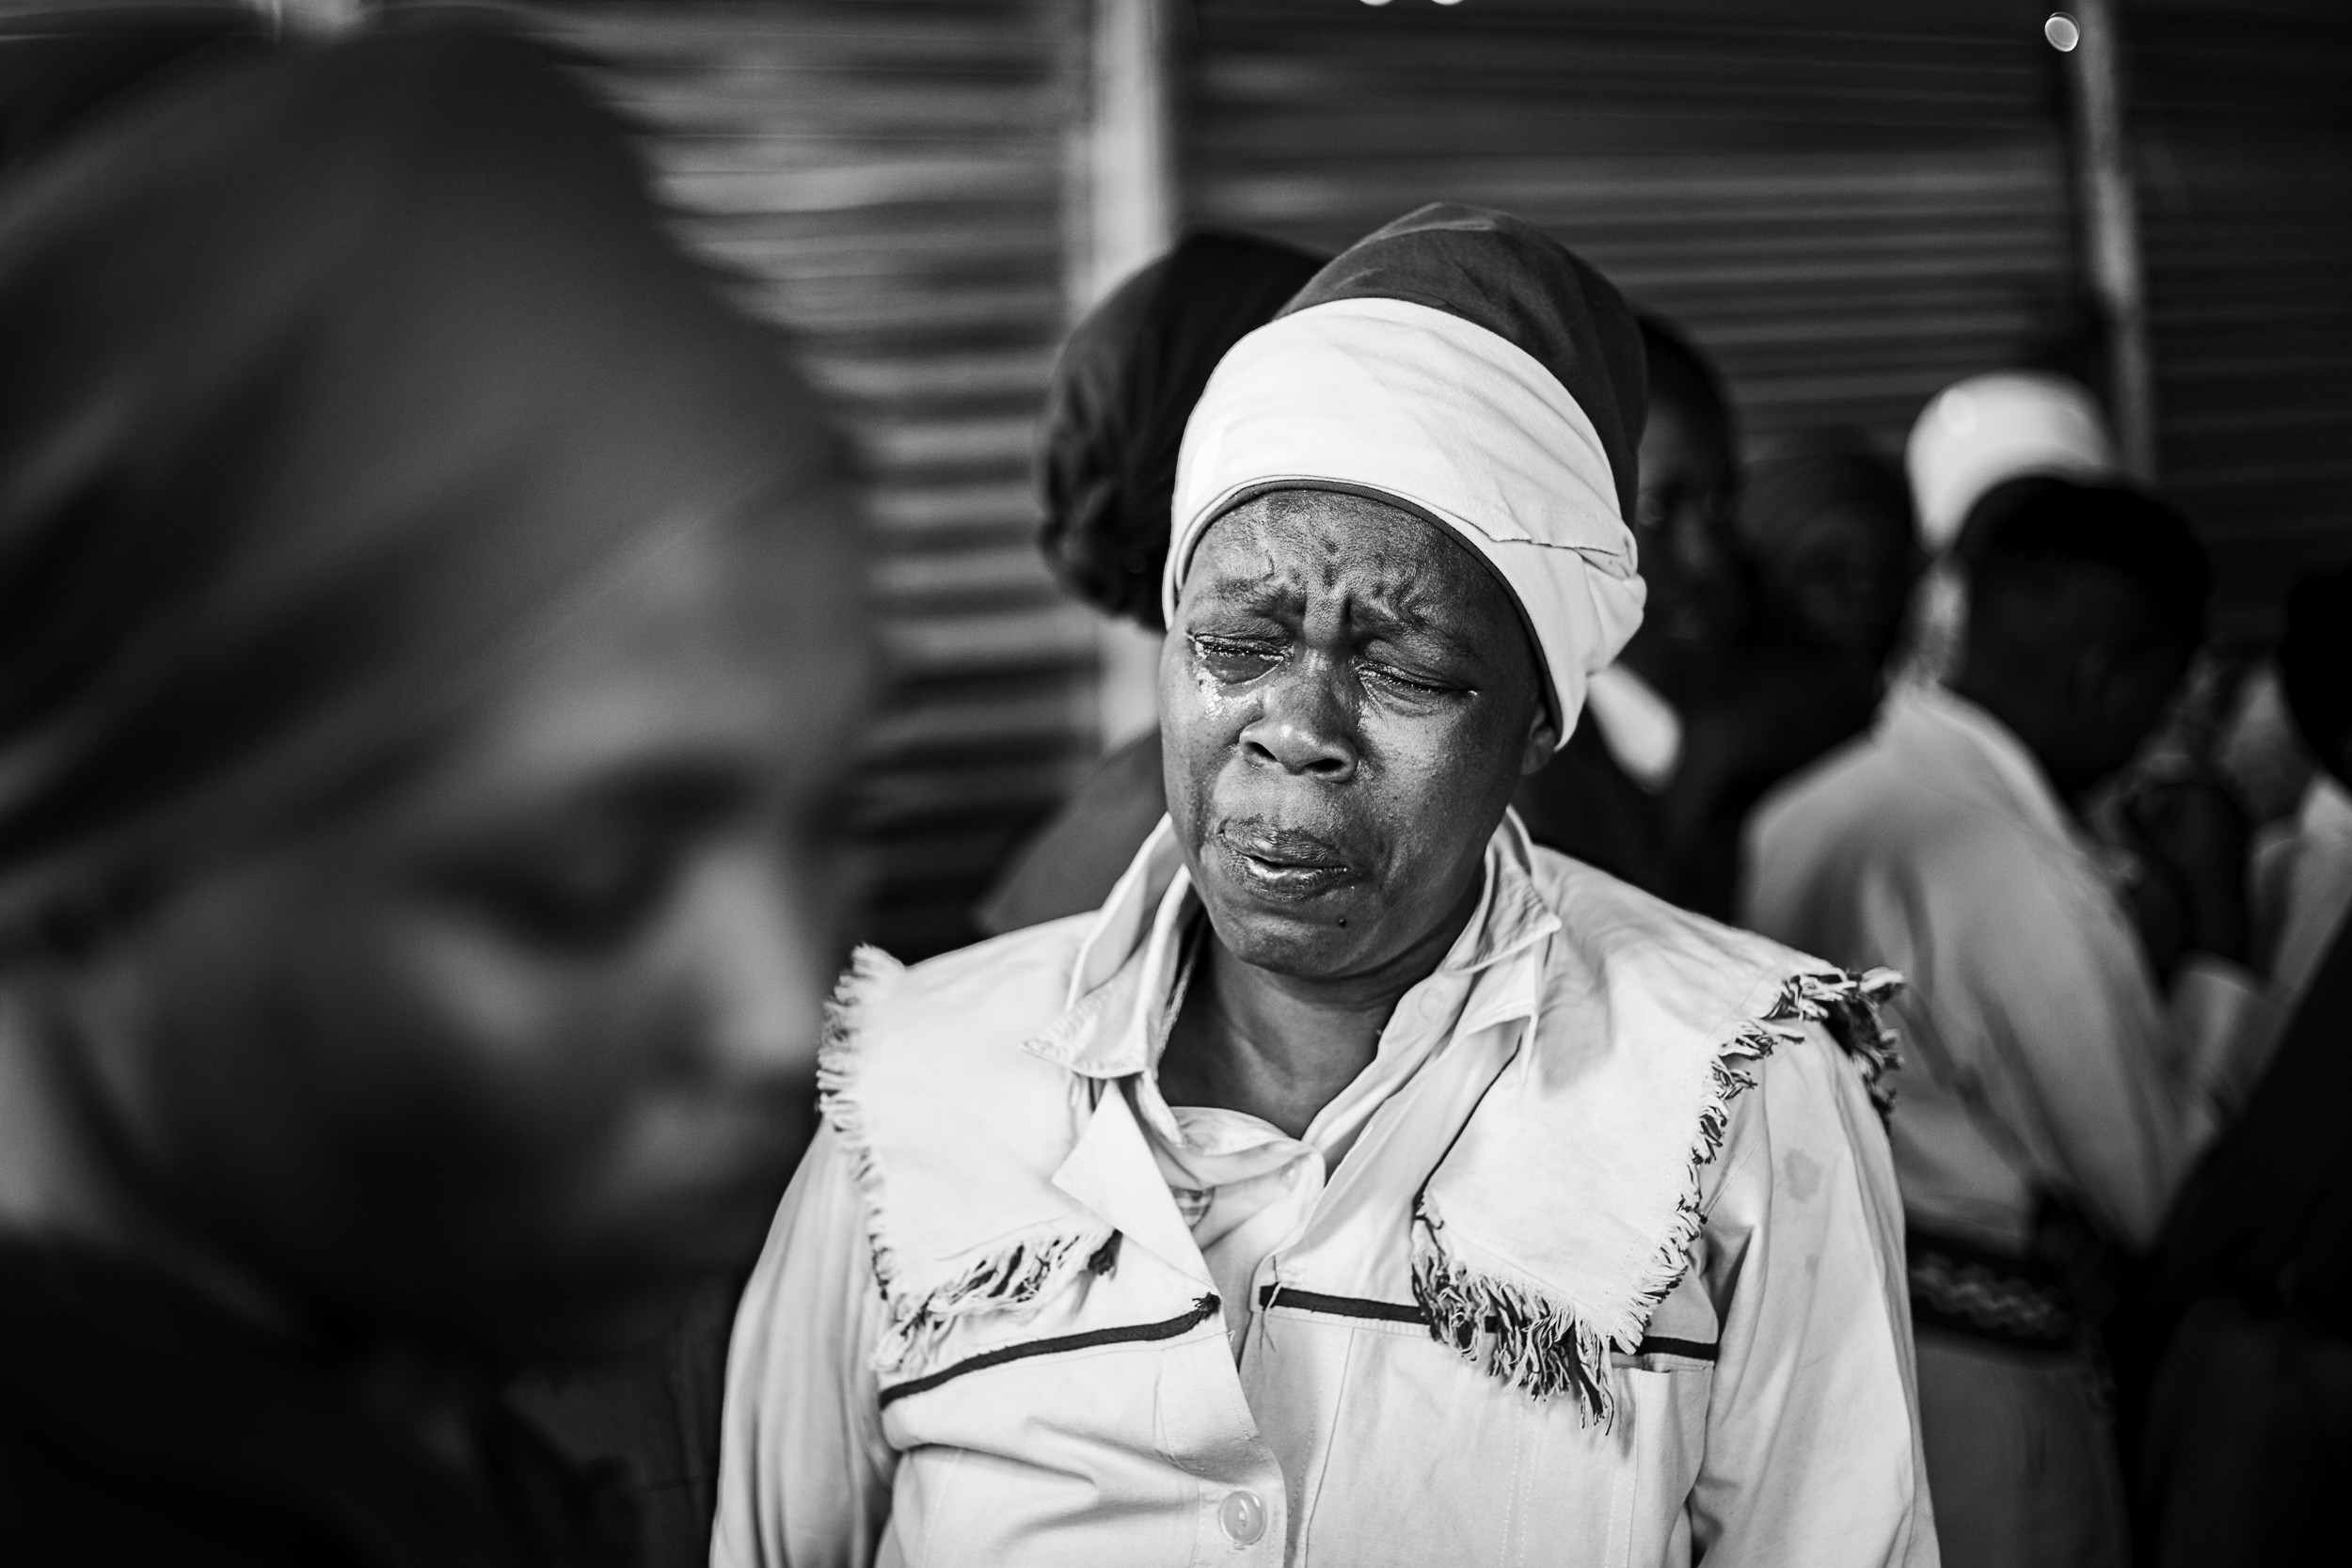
{"type": "Point", "coordinates": [2242, 119]}
{"type": "Point", "coordinates": [1848, 205]}
{"type": "Point", "coordinates": [1853, 204]}
{"type": "Point", "coordinates": [887, 178]}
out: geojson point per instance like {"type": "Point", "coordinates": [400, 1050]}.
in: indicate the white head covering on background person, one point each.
{"type": "Point", "coordinates": [1990, 428]}
{"type": "Point", "coordinates": [1467, 368]}
{"type": "Point", "coordinates": [1974, 436]}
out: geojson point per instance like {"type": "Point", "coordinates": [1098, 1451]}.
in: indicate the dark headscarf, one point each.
{"type": "Point", "coordinates": [1123, 389]}
{"type": "Point", "coordinates": [1786, 493]}
{"type": "Point", "coordinates": [333, 376]}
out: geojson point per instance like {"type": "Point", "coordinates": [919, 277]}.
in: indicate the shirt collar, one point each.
{"type": "Point", "coordinates": [1126, 983]}
{"type": "Point", "coordinates": [1951, 730]}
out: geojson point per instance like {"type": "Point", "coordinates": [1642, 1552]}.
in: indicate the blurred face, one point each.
{"type": "Point", "coordinates": [1698, 597]}
{"type": "Point", "coordinates": [1846, 576]}
{"type": "Point", "coordinates": [1347, 698]}
{"type": "Point", "coordinates": [2074, 661]}
{"type": "Point", "coordinates": [2119, 689]}
{"type": "Point", "coordinates": [518, 1049]}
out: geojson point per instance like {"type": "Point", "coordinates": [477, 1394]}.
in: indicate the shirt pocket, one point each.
{"type": "Point", "coordinates": [1662, 1402]}
{"type": "Point", "coordinates": [1425, 1458]}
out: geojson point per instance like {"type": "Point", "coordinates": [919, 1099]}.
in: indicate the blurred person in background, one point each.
{"type": "Point", "coordinates": [1973, 440]}
{"type": "Point", "coordinates": [429, 644]}
{"type": "Point", "coordinates": [1363, 1183]}
{"type": "Point", "coordinates": [1724, 693]}
{"type": "Point", "coordinates": [1830, 529]}
{"type": "Point", "coordinates": [1106, 473]}
{"type": "Point", "coordinates": [1599, 800]}
{"type": "Point", "coordinates": [2303, 866]}
{"type": "Point", "coordinates": [2064, 1056]}
{"type": "Point", "coordinates": [2249, 1423]}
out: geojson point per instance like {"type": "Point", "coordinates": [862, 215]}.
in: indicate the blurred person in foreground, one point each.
{"type": "Point", "coordinates": [2062, 1057]}
{"type": "Point", "coordinates": [1115, 415]}
{"type": "Point", "coordinates": [1361, 1183]}
{"type": "Point", "coordinates": [416, 801]}
{"type": "Point", "coordinates": [2249, 1423]}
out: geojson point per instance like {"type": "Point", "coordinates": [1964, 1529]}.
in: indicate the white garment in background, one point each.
{"type": "Point", "coordinates": [1641, 729]}
{"type": "Point", "coordinates": [2040, 1056]}
{"type": "Point", "coordinates": [2302, 887]}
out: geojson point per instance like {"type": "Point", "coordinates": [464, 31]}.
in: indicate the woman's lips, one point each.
{"type": "Point", "coordinates": [1282, 863]}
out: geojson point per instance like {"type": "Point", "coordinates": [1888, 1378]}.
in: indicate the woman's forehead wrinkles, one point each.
{"type": "Point", "coordinates": [1390, 572]}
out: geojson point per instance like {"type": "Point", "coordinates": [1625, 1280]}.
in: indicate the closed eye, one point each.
{"type": "Point", "coordinates": [1234, 661]}
{"type": "Point", "coordinates": [1406, 683]}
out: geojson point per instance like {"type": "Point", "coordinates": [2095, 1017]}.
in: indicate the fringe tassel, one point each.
{"type": "Point", "coordinates": [1515, 1333]}
{"type": "Point", "coordinates": [1013, 1278]}
{"type": "Point", "coordinates": [1753, 1042]}
{"type": "Point", "coordinates": [1848, 1007]}
{"type": "Point", "coordinates": [871, 971]}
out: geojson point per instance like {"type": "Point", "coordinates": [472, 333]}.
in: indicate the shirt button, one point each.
{"type": "Point", "coordinates": [1243, 1517]}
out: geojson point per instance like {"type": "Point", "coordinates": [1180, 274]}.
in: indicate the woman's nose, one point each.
{"type": "Point", "coordinates": [761, 964]}
{"type": "Point", "coordinates": [1305, 726]}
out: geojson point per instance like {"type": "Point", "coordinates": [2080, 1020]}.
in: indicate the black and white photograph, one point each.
{"type": "Point", "coordinates": [1175, 783]}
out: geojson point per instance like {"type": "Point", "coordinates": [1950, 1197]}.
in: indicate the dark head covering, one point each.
{"type": "Point", "coordinates": [1786, 493]}
{"type": "Point", "coordinates": [332, 376]}
{"type": "Point", "coordinates": [1509, 277]}
{"type": "Point", "coordinates": [2052, 521]}
{"type": "Point", "coordinates": [1681, 374]}
{"type": "Point", "coordinates": [1115, 417]}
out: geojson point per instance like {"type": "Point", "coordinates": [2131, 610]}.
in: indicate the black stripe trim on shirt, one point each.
{"type": "Point", "coordinates": [1399, 1312]}
{"type": "Point", "coordinates": [1202, 1310]}
{"type": "Point", "coordinates": [1340, 1306]}
{"type": "Point", "coordinates": [1690, 1349]}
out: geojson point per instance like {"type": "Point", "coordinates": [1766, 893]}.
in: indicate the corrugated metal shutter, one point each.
{"type": "Point", "coordinates": [889, 180]}
{"type": "Point", "coordinates": [2241, 119]}
{"type": "Point", "coordinates": [1850, 205]}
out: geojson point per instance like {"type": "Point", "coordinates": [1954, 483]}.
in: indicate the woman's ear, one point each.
{"type": "Point", "coordinates": [1543, 742]}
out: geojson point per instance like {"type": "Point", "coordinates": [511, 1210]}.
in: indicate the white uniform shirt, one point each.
{"type": "Point", "coordinates": [1767, 1418]}
{"type": "Point", "coordinates": [2302, 887]}
{"type": "Point", "coordinates": [2041, 1054]}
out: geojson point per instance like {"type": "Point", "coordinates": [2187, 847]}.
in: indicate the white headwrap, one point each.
{"type": "Point", "coordinates": [1447, 419]}
{"type": "Point", "coordinates": [1990, 428]}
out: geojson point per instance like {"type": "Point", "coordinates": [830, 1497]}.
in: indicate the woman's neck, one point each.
{"type": "Point", "coordinates": [1282, 1047]}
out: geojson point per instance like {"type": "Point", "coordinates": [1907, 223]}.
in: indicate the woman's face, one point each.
{"type": "Point", "coordinates": [1347, 698]}
{"type": "Point", "coordinates": [515, 1050]}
